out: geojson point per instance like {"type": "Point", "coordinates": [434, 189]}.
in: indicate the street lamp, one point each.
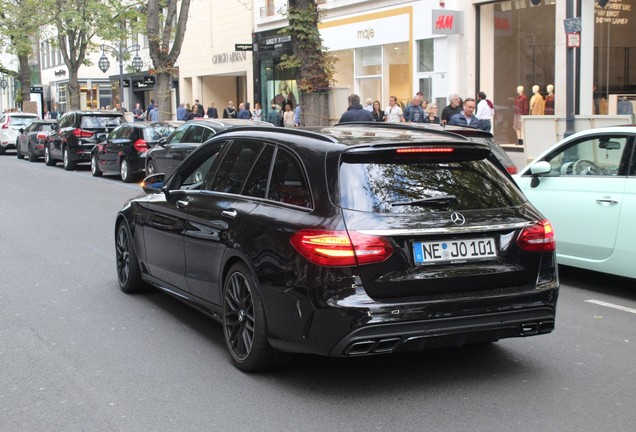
{"type": "Point", "coordinates": [120, 53]}
{"type": "Point", "coordinates": [3, 84]}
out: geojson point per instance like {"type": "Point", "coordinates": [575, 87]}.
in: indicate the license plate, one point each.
{"type": "Point", "coordinates": [453, 250]}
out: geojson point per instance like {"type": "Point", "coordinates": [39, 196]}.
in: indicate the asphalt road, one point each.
{"type": "Point", "coordinates": [76, 354]}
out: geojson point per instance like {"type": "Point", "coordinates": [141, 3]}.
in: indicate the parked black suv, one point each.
{"type": "Point", "coordinates": [76, 134]}
{"type": "Point", "coordinates": [353, 241]}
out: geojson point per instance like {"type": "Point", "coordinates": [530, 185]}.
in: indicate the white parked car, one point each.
{"type": "Point", "coordinates": [586, 186]}
{"type": "Point", "coordinates": [10, 125]}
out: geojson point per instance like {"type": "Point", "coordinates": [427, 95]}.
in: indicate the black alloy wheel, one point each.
{"type": "Point", "coordinates": [124, 171]}
{"type": "Point", "coordinates": [32, 157]}
{"type": "Point", "coordinates": [69, 165]}
{"type": "Point", "coordinates": [47, 157]}
{"type": "Point", "coordinates": [244, 324]}
{"type": "Point", "coordinates": [128, 273]}
{"type": "Point", "coordinates": [150, 168]}
{"type": "Point", "coordinates": [95, 171]}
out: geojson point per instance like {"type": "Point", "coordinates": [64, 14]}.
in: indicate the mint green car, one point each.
{"type": "Point", "coordinates": [586, 186]}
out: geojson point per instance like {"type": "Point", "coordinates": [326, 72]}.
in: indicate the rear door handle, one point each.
{"type": "Point", "coordinates": [229, 213]}
{"type": "Point", "coordinates": [606, 200]}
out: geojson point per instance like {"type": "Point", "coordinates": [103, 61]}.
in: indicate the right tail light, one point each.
{"type": "Point", "coordinates": [537, 238]}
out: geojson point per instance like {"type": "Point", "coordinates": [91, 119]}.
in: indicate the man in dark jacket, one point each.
{"type": "Point", "coordinates": [466, 117]}
{"type": "Point", "coordinates": [355, 112]}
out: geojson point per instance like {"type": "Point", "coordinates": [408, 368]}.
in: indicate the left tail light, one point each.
{"type": "Point", "coordinates": [537, 238]}
{"type": "Point", "coordinates": [41, 136]}
{"type": "Point", "coordinates": [141, 145]}
{"type": "Point", "coordinates": [80, 133]}
{"type": "Point", "coordinates": [340, 248]}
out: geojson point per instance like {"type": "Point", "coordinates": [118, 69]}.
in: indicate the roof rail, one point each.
{"type": "Point", "coordinates": [290, 131]}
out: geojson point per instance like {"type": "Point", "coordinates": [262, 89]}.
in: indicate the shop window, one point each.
{"type": "Point", "coordinates": [343, 75]}
{"type": "Point", "coordinates": [614, 55]}
{"type": "Point", "coordinates": [517, 40]}
{"type": "Point", "coordinates": [368, 61]}
{"type": "Point", "coordinates": [425, 55]}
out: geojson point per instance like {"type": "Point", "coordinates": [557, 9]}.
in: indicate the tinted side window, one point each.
{"type": "Point", "coordinates": [207, 134]}
{"type": "Point", "coordinates": [33, 126]}
{"type": "Point", "coordinates": [196, 172]}
{"type": "Point", "coordinates": [236, 166]}
{"type": "Point", "coordinates": [178, 134]}
{"type": "Point", "coordinates": [288, 183]}
{"type": "Point", "coordinates": [194, 135]}
{"type": "Point", "coordinates": [256, 184]}
{"type": "Point", "coordinates": [66, 120]}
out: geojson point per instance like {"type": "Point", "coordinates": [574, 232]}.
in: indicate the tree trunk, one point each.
{"type": "Point", "coordinates": [73, 90]}
{"type": "Point", "coordinates": [314, 109]}
{"type": "Point", "coordinates": [163, 100]}
{"type": "Point", "coordinates": [24, 76]}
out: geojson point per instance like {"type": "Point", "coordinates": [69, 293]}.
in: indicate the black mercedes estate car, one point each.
{"type": "Point", "coordinates": [352, 241]}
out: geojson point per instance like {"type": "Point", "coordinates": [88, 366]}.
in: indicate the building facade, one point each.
{"type": "Point", "coordinates": [210, 69]}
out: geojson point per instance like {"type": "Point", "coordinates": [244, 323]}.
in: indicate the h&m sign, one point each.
{"type": "Point", "coordinates": [448, 22]}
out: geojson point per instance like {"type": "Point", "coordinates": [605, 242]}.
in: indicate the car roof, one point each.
{"type": "Point", "coordinates": [95, 113]}
{"type": "Point", "coordinates": [220, 124]}
{"type": "Point", "coordinates": [19, 114]}
{"type": "Point", "coordinates": [346, 137]}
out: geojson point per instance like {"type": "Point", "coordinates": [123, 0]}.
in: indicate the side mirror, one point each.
{"type": "Point", "coordinates": [537, 170]}
{"type": "Point", "coordinates": [162, 141]}
{"type": "Point", "coordinates": [153, 183]}
{"type": "Point", "coordinates": [542, 167]}
{"type": "Point", "coordinates": [101, 137]}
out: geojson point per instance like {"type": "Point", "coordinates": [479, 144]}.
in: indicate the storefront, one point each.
{"type": "Point", "coordinates": [272, 85]}
{"type": "Point", "coordinates": [521, 48]}
{"type": "Point", "coordinates": [374, 53]}
{"type": "Point", "coordinates": [94, 94]}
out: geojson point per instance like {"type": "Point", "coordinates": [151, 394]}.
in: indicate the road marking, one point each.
{"type": "Point", "coordinates": [612, 305]}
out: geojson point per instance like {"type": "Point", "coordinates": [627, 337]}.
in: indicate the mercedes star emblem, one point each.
{"type": "Point", "coordinates": [458, 218]}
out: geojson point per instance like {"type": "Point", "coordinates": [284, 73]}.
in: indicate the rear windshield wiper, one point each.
{"type": "Point", "coordinates": [442, 199]}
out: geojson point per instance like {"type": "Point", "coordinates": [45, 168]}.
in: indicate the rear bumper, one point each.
{"type": "Point", "coordinates": [353, 324]}
{"type": "Point", "coordinates": [419, 335]}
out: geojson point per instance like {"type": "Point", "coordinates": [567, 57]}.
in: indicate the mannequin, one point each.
{"type": "Point", "coordinates": [549, 100]}
{"type": "Point", "coordinates": [536, 102]}
{"type": "Point", "coordinates": [521, 108]}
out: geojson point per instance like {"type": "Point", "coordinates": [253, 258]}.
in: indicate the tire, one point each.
{"type": "Point", "coordinates": [69, 165]}
{"type": "Point", "coordinates": [244, 323]}
{"type": "Point", "coordinates": [124, 171]}
{"type": "Point", "coordinates": [95, 167]}
{"type": "Point", "coordinates": [128, 272]}
{"type": "Point", "coordinates": [150, 168]}
{"type": "Point", "coordinates": [47, 157]}
{"type": "Point", "coordinates": [32, 157]}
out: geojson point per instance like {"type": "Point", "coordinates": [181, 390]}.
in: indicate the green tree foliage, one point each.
{"type": "Point", "coordinates": [166, 26]}
{"type": "Point", "coordinates": [314, 65]}
{"type": "Point", "coordinates": [78, 22]}
{"type": "Point", "coordinates": [20, 21]}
